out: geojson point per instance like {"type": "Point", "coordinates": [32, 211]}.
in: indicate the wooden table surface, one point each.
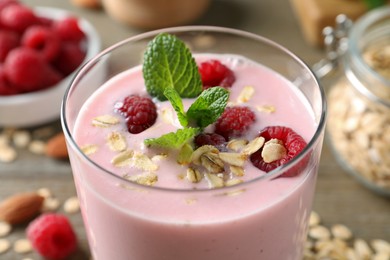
{"type": "Point", "coordinates": [338, 198]}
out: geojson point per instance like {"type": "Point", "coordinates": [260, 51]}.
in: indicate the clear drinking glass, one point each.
{"type": "Point", "coordinates": [125, 220]}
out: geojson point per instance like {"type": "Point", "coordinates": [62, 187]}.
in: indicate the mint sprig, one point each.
{"type": "Point", "coordinates": [177, 105]}
{"type": "Point", "coordinates": [206, 109]}
{"type": "Point", "coordinates": [170, 72]}
{"type": "Point", "coordinates": [173, 140]}
{"type": "Point", "coordinates": [371, 4]}
{"type": "Point", "coordinates": [168, 63]}
{"type": "Point", "coordinates": [209, 106]}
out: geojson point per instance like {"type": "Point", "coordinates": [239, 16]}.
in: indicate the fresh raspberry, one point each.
{"type": "Point", "coordinates": [51, 77]}
{"type": "Point", "coordinates": [6, 89]}
{"type": "Point", "coordinates": [52, 236]}
{"type": "Point", "coordinates": [4, 3]}
{"type": "Point", "coordinates": [25, 69]}
{"type": "Point", "coordinates": [69, 58]}
{"type": "Point", "coordinates": [8, 41]}
{"type": "Point", "coordinates": [214, 73]}
{"type": "Point", "coordinates": [293, 143]}
{"type": "Point", "coordinates": [42, 39]}
{"type": "Point", "coordinates": [45, 21]}
{"type": "Point", "coordinates": [69, 30]}
{"type": "Point", "coordinates": [18, 17]}
{"type": "Point", "coordinates": [234, 121]}
{"type": "Point", "coordinates": [140, 113]}
{"type": "Point", "coordinates": [210, 139]}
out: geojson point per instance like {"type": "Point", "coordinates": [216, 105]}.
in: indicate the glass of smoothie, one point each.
{"type": "Point", "coordinates": [239, 187]}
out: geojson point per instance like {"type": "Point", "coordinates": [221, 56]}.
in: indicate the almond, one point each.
{"type": "Point", "coordinates": [93, 4]}
{"type": "Point", "coordinates": [56, 147]}
{"type": "Point", "coordinates": [20, 208]}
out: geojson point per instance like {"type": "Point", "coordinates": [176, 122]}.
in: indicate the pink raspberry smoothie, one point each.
{"type": "Point", "coordinates": [173, 218]}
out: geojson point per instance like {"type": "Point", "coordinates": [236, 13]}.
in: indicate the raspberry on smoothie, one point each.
{"type": "Point", "coordinates": [214, 73]}
{"type": "Point", "coordinates": [140, 113]}
{"type": "Point", "coordinates": [234, 121]}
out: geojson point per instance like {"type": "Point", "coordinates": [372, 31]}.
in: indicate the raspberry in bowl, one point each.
{"type": "Point", "coordinates": [40, 49]}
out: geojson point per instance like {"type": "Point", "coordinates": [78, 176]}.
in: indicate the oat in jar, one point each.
{"type": "Point", "coordinates": [359, 103]}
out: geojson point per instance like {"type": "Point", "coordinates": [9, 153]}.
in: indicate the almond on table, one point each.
{"type": "Point", "coordinates": [20, 208]}
{"type": "Point", "coordinates": [56, 147]}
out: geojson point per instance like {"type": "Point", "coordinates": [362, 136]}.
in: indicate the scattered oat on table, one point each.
{"type": "Point", "coordinates": [342, 232]}
{"type": "Point", "coordinates": [4, 245]}
{"type": "Point", "coordinates": [5, 228]}
{"type": "Point", "coordinates": [37, 147]}
{"type": "Point", "coordinates": [338, 243]}
{"type": "Point", "coordinates": [314, 219]}
{"type": "Point", "coordinates": [7, 154]}
{"type": "Point", "coordinates": [72, 205]}
{"type": "Point", "coordinates": [13, 139]}
{"type": "Point", "coordinates": [44, 192]}
{"type": "Point", "coordinates": [381, 246]}
{"type": "Point", "coordinates": [21, 138]}
{"type": "Point", "coordinates": [50, 204]}
{"type": "Point", "coordinates": [319, 232]}
{"type": "Point", "coordinates": [22, 246]}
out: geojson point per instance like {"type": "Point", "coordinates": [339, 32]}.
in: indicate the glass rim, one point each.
{"type": "Point", "coordinates": [195, 28]}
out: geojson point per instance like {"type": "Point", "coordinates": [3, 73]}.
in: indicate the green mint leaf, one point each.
{"type": "Point", "coordinates": [371, 4]}
{"type": "Point", "coordinates": [173, 140]}
{"type": "Point", "coordinates": [209, 106]}
{"type": "Point", "coordinates": [177, 104]}
{"type": "Point", "coordinates": [168, 63]}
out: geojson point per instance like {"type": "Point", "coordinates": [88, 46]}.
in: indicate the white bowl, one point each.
{"type": "Point", "coordinates": [39, 107]}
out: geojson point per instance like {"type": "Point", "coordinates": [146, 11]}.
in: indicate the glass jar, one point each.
{"type": "Point", "coordinates": [359, 102]}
